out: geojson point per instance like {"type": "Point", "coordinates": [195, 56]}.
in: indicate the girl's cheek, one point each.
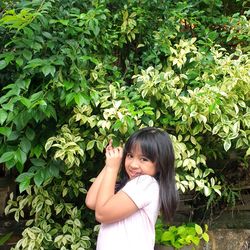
{"type": "Point", "coordinates": [126, 162]}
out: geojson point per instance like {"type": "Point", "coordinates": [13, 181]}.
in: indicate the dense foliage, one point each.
{"type": "Point", "coordinates": [189, 234]}
{"type": "Point", "coordinates": [76, 73]}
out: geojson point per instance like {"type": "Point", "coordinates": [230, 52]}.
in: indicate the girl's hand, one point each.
{"type": "Point", "coordinates": [113, 156]}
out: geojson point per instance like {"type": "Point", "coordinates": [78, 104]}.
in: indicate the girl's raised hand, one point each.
{"type": "Point", "coordinates": [110, 146]}
{"type": "Point", "coordinates": [113, 156]}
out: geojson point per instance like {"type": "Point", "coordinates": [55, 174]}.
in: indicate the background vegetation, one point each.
{"type": "Point", "coordinates": [76, 73]}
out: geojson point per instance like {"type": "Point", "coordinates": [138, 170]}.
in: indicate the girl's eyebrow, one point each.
{"type": "Point", "coordinates": [140, 155]}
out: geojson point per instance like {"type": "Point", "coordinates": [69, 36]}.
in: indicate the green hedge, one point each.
{"type": "Point", "coordinates": [76, 73]}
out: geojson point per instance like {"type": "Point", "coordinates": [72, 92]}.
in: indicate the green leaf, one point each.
{"type": "Point", "coordinates": [227, 144]}
{"type": "Point", "coordinates": [17, 215]}
{"type": "Point", "coordinates": [34, 63]}
{"type": "Point", "coordinates": [30, 134]}
{"type": "Point", "coordinates": [4, 238]}
{"type": "Point", "coordinates": [81, 99]}
{"type": "Point", "coordinates": [48, 69]}
{"type": "Point", "coordinates": [248, 152]}
{"type": "Point", "coordinates": [99, 145]}
{"type": "Point", "coordinates": [19, 167]}
{"type": "Point", "coordinates": [217, 188]}
{"type": "Point", "coordinates": [167, 236]}
{"type": "Point", "coordinates": [90, 144]}
{"type": "Point", "coordinates": [68, 85]}
{"type": "Point", "coordinates": [10, 164]}
{"type": "Point", "coordinates": [13, 136]}
{"type": "Point", "coordinates": [9, 56]}
{"type": "Point", "coordinates": [216, 129]}
{"type": "Point", "coordinates": [3, 116]}
{"type": "Point", "coordinates": [7, 156]}
{"type": "Point", "coordinates": [69, 98]}
{"type": "Point", "coordinates": [77, 223]}
{"type": "Point", "coordinates": [21, 120]}
{"type": "Point", "coordinates": [196, 240]}
{"type": "Point", "coordinates": [49, 144]}
{"type": "Point", "coordinates": [196, 172]}
{"type": "Point", "coordinates": [19, 61]}
{"type": "Point", "coordinates": [47, 35]}
{"type": "Point", "coordinates": [198, 229]}
{"type": "Point", "coordinates": [205, 236]}
{"type": "Point", "coordinates": [207, 191]}
{"type": "Point", "coordinates": [8, 106]}
{"type": "Point", "coordinates": [26, 102]}
{"type": "Point", "coordinates": [27, 54]}
{"type": "Point", "coordinates": [5, 131]}
{"type": "Point", "coordinates": [59, 208]}
{"type": "Point", "coordinates": [39, 177]}
{"type": "Point", "coordinates": [64, 22]}
{"type": "Point", "coordinates": [37, 151]}
{"type": "Point", "coordinates": [24, 185]}
{"type": "Point", "coordinates": [36, 96]}
{"type": "Point", "coordinates": [25, 145]}
{"type": "Point", "coordinates": [39, 206]}
{"type": "Point", "coordinates": [242, 104]}
{"type": "Point", "coordinates": [21, 156]}
{"type": "Point", "coordinates": [54, 170]}
{"type": "Point", "coordinates": [117, 125]}
{"type": "Point", "coordinates": [38, 162]}
{"type": "Point", "coordinates": [22, 177]}
{"type": "Point", "coordinates": [3, 64]}
{"type": "Point", "coordinates": [50, 112]}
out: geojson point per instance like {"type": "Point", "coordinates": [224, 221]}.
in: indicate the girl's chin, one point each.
{"type": "Point", "coordinates": [132, 176]}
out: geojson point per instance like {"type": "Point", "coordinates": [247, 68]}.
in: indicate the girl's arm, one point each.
{"type": "Point", "coordinates": [90, 200]}
{"type": "Point", "coordinates": [111, 207]}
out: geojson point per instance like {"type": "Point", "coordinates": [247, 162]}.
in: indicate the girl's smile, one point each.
{"type": "Point", "coordinates": [138, 164]}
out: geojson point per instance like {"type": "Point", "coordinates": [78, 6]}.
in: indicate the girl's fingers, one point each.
{"type": "Point", "coordinates": [114, 151]}
{"type": "Point", "coordinates": [109, 147]}
{"type": "Point", "coordinates": [120, 150]}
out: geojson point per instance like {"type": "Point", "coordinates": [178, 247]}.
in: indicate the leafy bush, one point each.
{"type": "Point", "coordinates": [76, 73]}
{"type": "Point", "coordinates": [189, 234]}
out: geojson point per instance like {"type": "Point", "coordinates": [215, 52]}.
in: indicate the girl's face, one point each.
{"type": "Point", "coordinates": [138, 164]}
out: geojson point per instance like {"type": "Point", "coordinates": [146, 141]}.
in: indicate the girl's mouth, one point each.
{"type": "Point", "coordinates": [134, 174]}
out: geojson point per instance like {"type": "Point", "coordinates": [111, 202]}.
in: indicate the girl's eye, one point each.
{"type": "Point", "coordinates": [129, 155]}
{"type": "Point", "coordinates": [144, 159]}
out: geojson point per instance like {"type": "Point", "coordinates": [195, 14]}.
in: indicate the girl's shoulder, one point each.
{"type": "Point", "coordinates": [143, 190]}
{"type": "Point", "coordinates": [143, 181]}
{"type": "Point", "coordinates": [145, 178]}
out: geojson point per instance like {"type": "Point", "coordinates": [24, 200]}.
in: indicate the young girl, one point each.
{"type": "Point", "coordinates": [128, 216]}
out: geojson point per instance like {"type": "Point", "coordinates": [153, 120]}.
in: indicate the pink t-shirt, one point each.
{"type": "Point", "coordinates": [136, 232]}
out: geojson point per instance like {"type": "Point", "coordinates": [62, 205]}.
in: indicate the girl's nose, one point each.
{"type": "Point", "coordinates": [134, 164]}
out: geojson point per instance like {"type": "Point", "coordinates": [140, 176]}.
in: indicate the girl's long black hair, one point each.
{"type": "Point", "coordinates": [156, 145]}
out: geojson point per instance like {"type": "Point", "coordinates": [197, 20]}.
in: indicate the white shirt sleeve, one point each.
{"type": "Point", "coordinates": [142, 190]}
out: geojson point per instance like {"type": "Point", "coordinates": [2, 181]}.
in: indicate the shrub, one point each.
{"type": "Point", "coordinates": [189, 234]}
{"type": "Point", "coordinates": [75, 74]}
